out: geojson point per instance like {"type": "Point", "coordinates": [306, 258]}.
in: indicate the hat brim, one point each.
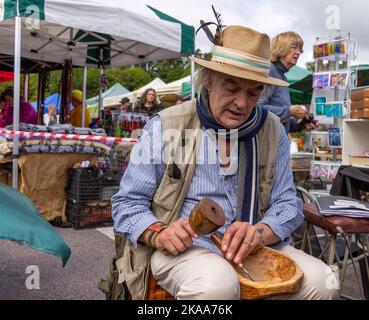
{"type": "Point", "coordinates": [239, 72]}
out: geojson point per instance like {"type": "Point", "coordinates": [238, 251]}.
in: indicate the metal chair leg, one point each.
{"type": "Point", "coordinates": [331, 249]}
{"type": "Point", "coordinates": [344, 264]}
{"type": "Point", "coordinates": [306, 236]}
{"type": "Point", "coordinates": [348, 244]}
{"type": "Point", "coordinates": [365, 274]}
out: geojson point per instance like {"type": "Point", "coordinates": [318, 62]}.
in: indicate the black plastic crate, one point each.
{"type": "Point", "coordinates": [84, 184]}
{"type": "Point", "coordinates": [119, 159]}
{"type": "Point", "coordinates": [117, 167]}
{"type": "Point", "coordinates": [93, 214]}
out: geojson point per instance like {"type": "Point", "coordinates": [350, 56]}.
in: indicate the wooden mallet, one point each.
{"type": "Point", "coordinates": [207, 217]}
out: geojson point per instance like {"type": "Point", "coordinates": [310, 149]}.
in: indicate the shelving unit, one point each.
{"type": "Point", "coordinates": [355, 139]}
{"type": "Point", "coordinates": [334, 95]}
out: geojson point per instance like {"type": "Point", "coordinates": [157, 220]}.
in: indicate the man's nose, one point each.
{"type": "Point", "coordinates": [241, 100]}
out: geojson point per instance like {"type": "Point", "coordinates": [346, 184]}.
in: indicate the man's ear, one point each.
{"type": "Point", "coordinates": [208, 85]}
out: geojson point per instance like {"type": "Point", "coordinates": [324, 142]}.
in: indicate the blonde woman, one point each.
{"type": "Point", "coordinates": [285, 51]}
{"type": "Point", "coordinates": [51, 116]}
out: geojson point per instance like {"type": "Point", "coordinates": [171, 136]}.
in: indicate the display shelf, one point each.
{"type": "Point", "coordinates": [355, 139]}
{"type": "Point", "coordinates": [357, 120]}
{"type": "Point", "coordinates": [331, 96]}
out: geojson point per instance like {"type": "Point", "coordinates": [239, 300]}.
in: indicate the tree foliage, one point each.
{"type": "Point", "coordinates": [170, 70]}
{"type": "Point", "coordinates": [131, 77]}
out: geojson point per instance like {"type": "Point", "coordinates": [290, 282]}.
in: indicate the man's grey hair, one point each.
{"type": "Point", "coordinates": [203, 75]}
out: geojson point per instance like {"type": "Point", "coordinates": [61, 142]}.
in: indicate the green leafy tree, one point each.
{"type": "Point", "coordinates": [130, 77]}
{"type": "Point", "coordinates": [170, 70]}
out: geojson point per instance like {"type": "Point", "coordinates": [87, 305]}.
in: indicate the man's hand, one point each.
{"type": "Point", "coordinates": [176, 238]}
{"type": "Point", "coordinates": [299, 112]}
{"type": "Point", "coordinates": [239, 240]}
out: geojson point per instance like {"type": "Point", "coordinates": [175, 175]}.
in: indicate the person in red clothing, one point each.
{"type": "Point", "coordinates": [26, 112]}
{"type": "Point", "coordinates": [2, 105]}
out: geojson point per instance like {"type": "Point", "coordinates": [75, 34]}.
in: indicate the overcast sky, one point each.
{"type": "Point", "coordinates": [308, 18]}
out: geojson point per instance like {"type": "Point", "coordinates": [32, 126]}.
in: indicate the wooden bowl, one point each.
{"type": "Point", "coordinates": [275, 274]}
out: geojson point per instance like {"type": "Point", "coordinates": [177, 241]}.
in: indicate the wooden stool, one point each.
{"type": "Point", "coordinates": [155, 292]}
{"type": "Point", "coordinates": [338, 225]}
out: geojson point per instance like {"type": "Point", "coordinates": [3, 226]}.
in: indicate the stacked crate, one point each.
{"type": "Point", "coordinates": [88, 204]}
{"type": "Point", "coordinates": [360, 104]}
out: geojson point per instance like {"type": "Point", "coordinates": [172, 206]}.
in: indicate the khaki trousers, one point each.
{"type": "Point", "coordinates": [200, 274]}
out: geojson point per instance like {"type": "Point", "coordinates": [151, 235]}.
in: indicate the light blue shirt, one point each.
{"type": "Point", "coordinates": [131, 205]}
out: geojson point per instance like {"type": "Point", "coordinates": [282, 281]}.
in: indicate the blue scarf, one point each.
{"type": "Point", "coordinates": [248, 155]}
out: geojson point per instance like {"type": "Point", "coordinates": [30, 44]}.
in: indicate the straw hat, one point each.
{"type": "Point", "coordinates": [244, 53]}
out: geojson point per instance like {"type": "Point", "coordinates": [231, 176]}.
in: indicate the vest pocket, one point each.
{"type": "Point", "coordinates": [132, 269]}
{"type": "Point", "coordinates": [112, 289]}
{"type": "Point", "coordinates": [169, 189]}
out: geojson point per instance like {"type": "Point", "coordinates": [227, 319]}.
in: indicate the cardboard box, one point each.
{"type": "Point", "coordinates": [360, 114]}
{"type": "Point", "coordinates": [359, 105]}
{"type": "Point", "coordinates": [360, 94]}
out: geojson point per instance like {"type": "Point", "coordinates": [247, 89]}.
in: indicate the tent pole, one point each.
{"type": "Point", "coordinates": [84, 95]}
{"type": "Point", "coordinates": [100, 80]}
{"type": "Point", "coordinates": [16, 100]}
{"type": "Point", "coordinates": [192, 79]}
{"type": "Point", "coordinates": [25, 86]}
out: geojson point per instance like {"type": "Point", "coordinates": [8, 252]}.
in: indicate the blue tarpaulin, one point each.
{"type": "Point", "coordinates": [54, 99]}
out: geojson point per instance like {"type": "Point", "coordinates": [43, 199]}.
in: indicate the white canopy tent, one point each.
{"type": "Point", "coordinates": [174, 87]}
{"type": "Point", "coordinates": [134, 95]}
{"type": "Point", "coordinates": [54, 30]}
{"type": "Point", "coordinates": [90, 33]}
{"type": "Point", "coordinates": [115, 90]}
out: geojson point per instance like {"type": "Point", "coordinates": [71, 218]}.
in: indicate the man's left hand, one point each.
{"type": "Point", "coordinates": [240, 239]}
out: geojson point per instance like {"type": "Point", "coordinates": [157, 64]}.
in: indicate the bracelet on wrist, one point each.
{"type": "Point", "coordinates": [151, 233]}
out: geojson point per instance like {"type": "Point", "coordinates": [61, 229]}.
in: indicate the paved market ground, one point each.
{"type": "Point", "coordinates": [91, 252]}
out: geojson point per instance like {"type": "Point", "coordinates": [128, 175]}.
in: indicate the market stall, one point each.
{"type": "Point", "coordinates": [47, 161]}
{"type": "Point", "coordinates": [338, 102]}
{"type": "Point", "coordinates": [52, 31]}
{"type": "Point", "coordinates": [114, 102]}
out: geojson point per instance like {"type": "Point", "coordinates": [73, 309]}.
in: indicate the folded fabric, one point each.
{"type": "Point", "coordinates": [61, 149]}
{"type": "Point", "coordinates": [93, 144]}
{"type": "Point", "coordinates": [58, 129]}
